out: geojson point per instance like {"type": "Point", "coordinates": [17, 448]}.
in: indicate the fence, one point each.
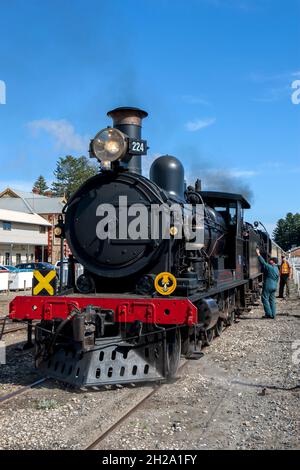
{"type": "Point", "coordinates": [21, 280]}
{"type": "Point", "coordinates": [3, 281]}
{"type": "Point", "coordinates": [295, 263]}
{"type": "Point", "coordinates": [15, 280]}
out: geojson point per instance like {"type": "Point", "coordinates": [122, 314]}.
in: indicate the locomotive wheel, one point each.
{"type": "Point", "coordinates": [208, 337]}
{"type": "Point", "coordinates": [173, 352]}
{"type": "Point", "coordinates": [219, 327]}
{"type": "Point", "coordinates": [231, 318]}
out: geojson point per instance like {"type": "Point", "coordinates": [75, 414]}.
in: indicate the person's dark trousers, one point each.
{"type": "Point", "coordinates": [283, 282]}
{"type": "Point", "coordinates": [269, 302]}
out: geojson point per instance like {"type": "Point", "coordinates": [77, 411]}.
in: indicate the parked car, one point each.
{"type": "Point", "coordinates": [11, 269]}
{"type": "Point", "coordinates": [57, 264]}
{"type": "Point", "coordinates": [3, 268]}
{"type": "Point", "coordinates": [33, 265]}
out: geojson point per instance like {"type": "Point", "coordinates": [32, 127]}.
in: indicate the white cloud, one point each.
{"type": "Point", "coordinates": [279, 85]}
{"type": "Point", "coordinates": [63, 133]}
{"type": "Point", "coordinates": [198, 124]}
{"type": "Point", "coordinates": [192, 99]}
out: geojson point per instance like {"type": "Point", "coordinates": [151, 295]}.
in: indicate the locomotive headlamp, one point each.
{"type": "Point", "coordinates": [109, 145]}
{"type": "Point", "coordinates": [173, 231]}
{"type": "Point", "coordinates": [57, 231]}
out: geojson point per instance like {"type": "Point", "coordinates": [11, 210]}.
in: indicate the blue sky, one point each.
{"type": "Point", "coordinates": [214, 75]}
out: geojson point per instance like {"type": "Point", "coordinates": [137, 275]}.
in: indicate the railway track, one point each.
{"type": "Point", "coordinates": [130, 412]}
{"type": "Point", "coordinates": [118, 421]}
{"type": "Point", "coordinates": [113, 426]}
{"type": "Point", "coordinates": [7, 327]}
{"type": "Point", "coordinates": [135, 407]}
{"type": "Point", "coordinates": [20, 391]}
{"type": "Point", "coordinates": [13, 330]}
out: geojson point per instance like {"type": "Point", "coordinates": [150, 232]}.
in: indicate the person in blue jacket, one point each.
{"type": "Point", "coordinates": [271, 277]}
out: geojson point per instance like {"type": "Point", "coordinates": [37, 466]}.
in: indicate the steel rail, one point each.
{"type": "Point", "coordinates": [128, 413]}
{"type": "Point", "coordinates": [22, 390]}
{"type": "Point", "coordinates": [13, 330]}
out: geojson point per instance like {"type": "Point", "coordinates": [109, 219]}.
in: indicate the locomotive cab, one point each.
{"type": "Point", "coordinates": [230, 207]}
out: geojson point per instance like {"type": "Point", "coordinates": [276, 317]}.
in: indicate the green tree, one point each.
{"type": "Point", "coordinates": [40, 185]}
{"type": "Point", "coordinates": [71, 173]}
{"type": "Point", "coordinates": [287, 231]}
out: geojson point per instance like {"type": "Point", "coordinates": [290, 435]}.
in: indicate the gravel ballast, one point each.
{"type": "Point", "coordinates": [243, 394]}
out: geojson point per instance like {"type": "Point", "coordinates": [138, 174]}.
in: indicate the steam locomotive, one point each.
{"type": "Point", "coordinates": [151, 291]}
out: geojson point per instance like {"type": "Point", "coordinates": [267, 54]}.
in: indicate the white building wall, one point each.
{"type": "Point", "coordinates": [23, 233]}
{"type": "Point", "coordinates": [19, 242]}
{"type": "Point", "coordinates": [16, 253]}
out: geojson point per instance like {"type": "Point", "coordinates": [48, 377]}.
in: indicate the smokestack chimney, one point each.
{"type": "Point", "coordinates": [129, 121]}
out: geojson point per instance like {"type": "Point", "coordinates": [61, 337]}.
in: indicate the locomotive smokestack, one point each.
{"type": "Point", "coordinates": [129, 121]}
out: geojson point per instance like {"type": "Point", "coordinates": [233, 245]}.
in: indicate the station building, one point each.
{"type": "Point", "coordinates": [46, 206]}
{"type": "Point", "coordinates": [22, 237]}
{"type": "Point", "coordinates": [294, 252]}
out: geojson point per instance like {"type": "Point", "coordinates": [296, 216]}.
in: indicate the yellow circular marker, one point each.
{"type": "Point", "coordinates": [165, 283]}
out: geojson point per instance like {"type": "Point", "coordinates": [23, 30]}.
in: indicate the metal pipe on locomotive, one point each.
{"type": "Point", "coordinates": [142, 302]}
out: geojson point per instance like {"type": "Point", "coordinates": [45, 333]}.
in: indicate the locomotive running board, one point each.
{"type": "Point", "coordinates": [111, 362]}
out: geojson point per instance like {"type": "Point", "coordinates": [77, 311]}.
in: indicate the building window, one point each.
{"type": "Point", "coordinates": [42, 229]}
{"type": "Point", "coordinates": [7, 258]}
{"type": "Point", "coordinates": [18, 258]}
{"type": "Point", "coordinates": [6, 225]}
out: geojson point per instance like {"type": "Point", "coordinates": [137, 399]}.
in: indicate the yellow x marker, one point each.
{"type": "Point", "coordinates": [44, 282]}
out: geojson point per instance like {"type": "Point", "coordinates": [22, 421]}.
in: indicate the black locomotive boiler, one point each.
{"type": "Point", "coordinates": [146, 299]}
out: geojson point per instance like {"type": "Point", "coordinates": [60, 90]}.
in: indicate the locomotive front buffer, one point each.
{"type": "Point", "coordinates": [112, 341]}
